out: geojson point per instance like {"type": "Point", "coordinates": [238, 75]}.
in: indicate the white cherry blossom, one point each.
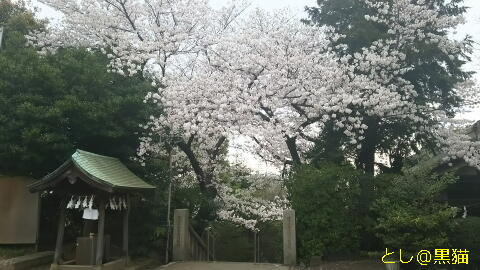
{"type": "Point", "coordinates": [264, 76]}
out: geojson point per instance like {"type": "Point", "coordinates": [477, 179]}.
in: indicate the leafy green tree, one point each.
{"type": "Point", "coordinates": [51, 105]}
{"type": "Point", "coordinates": [434, 75]}
{"type": "Point", "coordinates": [410, 214]}
{"type": "Point", "coordinates": [466, 236]}
{"type": "Point", "coordinates": [326, 201]}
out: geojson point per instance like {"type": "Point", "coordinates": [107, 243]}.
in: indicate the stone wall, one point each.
{"type": "Point", "coordinates": [19, 211]}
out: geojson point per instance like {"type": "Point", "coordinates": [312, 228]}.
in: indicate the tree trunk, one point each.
{"type": "Point", "coordinates": [207, 211]}
{"type": "Point", "coordinates": [366, 157]}
{"type": "Point", "coordinates": [328, 147]}
{"type": "Point", "coordinates": [292, 148]}
{"type": "Point", "coordinates": [366, 162]}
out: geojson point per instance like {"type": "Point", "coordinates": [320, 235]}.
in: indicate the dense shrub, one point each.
{"type": "Point", "coordinates": [410, 213]}
{"type": "Point", "coordinates": [236, 243]}
{"type": "Point", "coordinates": [466, 236]}
{"type": "Point", "coordinates": [232, 243]}
{"type": "Point", "coordinates": [326, 201]}
{"type": "Point", "coordinates": [271, 242]}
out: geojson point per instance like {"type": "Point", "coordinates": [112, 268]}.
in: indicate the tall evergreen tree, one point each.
{"type": "Point", "coordinates": [51, 105]}
{"type": "Point", "coordinates": [434, 74]}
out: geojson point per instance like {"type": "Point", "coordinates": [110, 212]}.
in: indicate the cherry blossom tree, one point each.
{"type": "Point", "coordinates": [411, 25]}
{"type": "Point", "coordinates": [161, 39]}
{"type": "Point", "coordinates": [431, 65]}
{"type": "Point", "coordinates": [168, 41]}
{"type": "Point", "coordinates": [266, 77]}
{"type": "Point", "coordinates": [294, 82]}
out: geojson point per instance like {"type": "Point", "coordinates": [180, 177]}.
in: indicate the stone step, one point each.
{"type": "Point", "coordinates": [27, 261]}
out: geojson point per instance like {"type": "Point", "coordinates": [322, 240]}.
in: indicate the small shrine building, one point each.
{"type": "Point", "coordinates": [93, 183]}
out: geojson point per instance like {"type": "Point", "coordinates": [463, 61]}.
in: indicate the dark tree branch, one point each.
{"type": "Point", "coordinates": [263, 116]}
{"type": "Point", "coordinates": [217, 148]}
{"type": "Point", "coordinates": [197, 168]}
{"type": "Point", "coordinates": [267, 110]}
{"type": "Point", "coordinates": [292, 147]}
{"type": "Point", "coordinates": [132, 24]}
{"type": "Point", "coordinates": [260, 155]}
{"type": "Point", "coordinates": [190, 140]}
{"type": "Point", "coordinates": [309, 138]}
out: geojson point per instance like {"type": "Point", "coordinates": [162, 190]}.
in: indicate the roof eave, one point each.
{"type": "Point", "coordinates": [50, 178]}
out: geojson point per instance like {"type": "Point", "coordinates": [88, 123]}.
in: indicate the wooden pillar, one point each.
{"type": "Point", "coordinates": [61, 231]}
{"type": "Point", "coordinates": [126, 214]}
{"type": "Point", "coordinates": [37, 244]}
{"type": "Point", "coordinates": [255, 246]}
{"type": "Point", "coordinates": [100, 236]}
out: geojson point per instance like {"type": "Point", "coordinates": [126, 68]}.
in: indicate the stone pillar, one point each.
{"type": "Point", "coordinates": [289, 238]}
{"type": "Point", "coordinates": [181, 235]}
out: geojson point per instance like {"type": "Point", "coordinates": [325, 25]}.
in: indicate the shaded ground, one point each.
{"type": "Point", "coordinates": [43, 267]}
{"type": "Point", "coordinates": [221, 266]}
{"type": "Point", "coordinates": [351, 265]}
{"type": "Point", "coordinates": [138, 264]}
{"type": "Point", "coordinates": [145, 264]}
{"type": "Point", "coordinates": [12, 251]}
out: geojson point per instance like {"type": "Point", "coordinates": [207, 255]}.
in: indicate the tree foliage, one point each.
{"type": "Point", "coordinates": [409, 210]}
{"type": "Point", "coordinates": [274, 80]}
{"type": "Point", "coordinates": [326, 203]}
{"type": "Point", "coordinates": [465, 236]}
{"type": "Point", "coordinates": [434, 72]}
{"type": "Point", "coordinates": [50, 106]}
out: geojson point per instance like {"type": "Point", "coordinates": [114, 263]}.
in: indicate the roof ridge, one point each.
{"type": "Point", "coordinates": [93, 154]}
{"type": "Point", "coordinates": [109, 172]}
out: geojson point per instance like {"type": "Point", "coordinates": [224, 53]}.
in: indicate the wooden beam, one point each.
{"type": "Point", "coordinates": [101, 231]}
{"type": "Point", "coordinates": [69, 170]}
{"type": "Point", "coordinates": [126, 214]}
{"type": "Point", "coordinates": [60, 232]}
{"type": "Point", "coordinates": [39, 209]}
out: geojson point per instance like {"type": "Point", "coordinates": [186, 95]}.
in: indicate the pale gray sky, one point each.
{"type": "Point", "coordinates": [472, 28]}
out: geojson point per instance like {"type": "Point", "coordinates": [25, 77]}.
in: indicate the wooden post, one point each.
{"type": "Point", "coordinates": [169, 205]}
{"type": "Point", "coordinates": [208, 244]}
{"type": "Point", "coordinates": [61, 231]}
{"type": "Point", "coordinates": [37, 244]}
{"type": "Point", "coordinates": [213, 247]}
{"type": "Point", "coordinates": [255, 246]}
{"type": "Point", "coordinates": [100, 237]}
{"type": "Point", "coordinates": [126, 214]}
{"type": "Point", "coordinates": [258, 248]}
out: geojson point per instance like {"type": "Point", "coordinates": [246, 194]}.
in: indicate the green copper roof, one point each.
{"type": "Point", "coordinates": [102, 171]}
{"type": "Point", "coordinates": [108, 170]}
